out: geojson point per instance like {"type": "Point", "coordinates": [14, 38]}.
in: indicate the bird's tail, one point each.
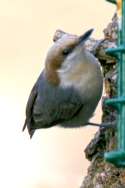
{"type": "Point", "coordinates": [24, 126]}
{"type": "Point", "coordinates": [30, 130]}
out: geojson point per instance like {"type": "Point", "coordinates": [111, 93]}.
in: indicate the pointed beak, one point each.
{"type": "Point", "coordinates": [85, 36]}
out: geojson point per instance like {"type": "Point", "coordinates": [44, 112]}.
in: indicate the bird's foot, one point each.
{"type": "Point", "coordinates": [103, 125]}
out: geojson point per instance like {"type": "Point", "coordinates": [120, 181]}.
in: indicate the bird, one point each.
{"type": "Point", "coordinates": [69, 87]}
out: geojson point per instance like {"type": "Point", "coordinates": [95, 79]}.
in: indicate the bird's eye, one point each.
{"type": "Point", "coordinates": [66, 51]}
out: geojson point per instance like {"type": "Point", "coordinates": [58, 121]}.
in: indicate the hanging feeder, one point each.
{"type": "Point", "coordinates": [118, 157]}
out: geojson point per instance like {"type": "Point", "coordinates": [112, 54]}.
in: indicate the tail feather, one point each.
{"type": "Point", "coordinates": [29, 111]}
{"type": "Point", "coordinates": [31, 133]}
{"type": "Point", "coordinates": [24, 126]}
{"type": "Point", "coordinates": [28, 124]}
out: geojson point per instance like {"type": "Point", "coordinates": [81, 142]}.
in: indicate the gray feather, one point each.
{"type": "Point", "coordinates": [49, 105]}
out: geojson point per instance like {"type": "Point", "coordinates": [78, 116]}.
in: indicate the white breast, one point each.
{"type": "Point", "coordinates": [83, 73]}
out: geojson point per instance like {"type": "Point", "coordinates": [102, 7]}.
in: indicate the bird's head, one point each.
{"type": "Point", "coordinates": [66, 47]}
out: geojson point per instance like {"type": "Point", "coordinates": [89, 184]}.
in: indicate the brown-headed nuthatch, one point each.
{"type": "Point", "coordinates": [68, 89]}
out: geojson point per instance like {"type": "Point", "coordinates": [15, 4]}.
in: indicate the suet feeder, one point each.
{"type": "Point", "coordinates": [118, 157]}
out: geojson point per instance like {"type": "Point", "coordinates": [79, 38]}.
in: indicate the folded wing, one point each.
{"type": "Point", "coordinates": [49, 105]}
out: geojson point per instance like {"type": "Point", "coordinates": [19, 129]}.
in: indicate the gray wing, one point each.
{"type": "Point", "coordinates": [50, 105]}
